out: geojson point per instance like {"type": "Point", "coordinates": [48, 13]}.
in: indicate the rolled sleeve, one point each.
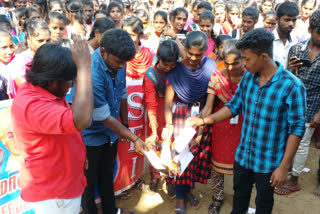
{"type": "Point", "coordinates": [297, 103]}
{"type": "Point", "coordinates": [101, 106]}
{"type": "Point", "coordinates": [101, 113]}
{"type": "Point", "coordinates": [124, 94]}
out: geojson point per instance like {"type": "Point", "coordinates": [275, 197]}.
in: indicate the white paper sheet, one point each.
{"type": "Point", "coordinates": [182, 141]}
{"type": "Point", "coordinates": [166, 154]}
{"type": "Point", "coordinates": [185, 157]}
{"type": "Point", "coordinates": [154, 159]}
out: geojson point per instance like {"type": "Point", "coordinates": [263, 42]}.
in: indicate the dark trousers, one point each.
{"type": "Point", "coordinates": [243, 180]}
{"type": "Point", "coordinates": [100, 171]}
{"type": "Point", "coordinates": [181, 190]}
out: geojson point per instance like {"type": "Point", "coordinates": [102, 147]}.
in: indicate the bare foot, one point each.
{"type": "Point", "coordinates": [316, 191]}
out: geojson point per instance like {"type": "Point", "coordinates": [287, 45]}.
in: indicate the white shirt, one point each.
{"type": "Point", "coordinates": [280, 51]}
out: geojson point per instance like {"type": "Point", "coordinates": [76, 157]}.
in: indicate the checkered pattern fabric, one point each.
{"type": "Point", "coordinates": [271, 113]}
{"type": "Point", "coordinates": [310, 76]}
{"type": "Point", "coordinates": [200, 167]}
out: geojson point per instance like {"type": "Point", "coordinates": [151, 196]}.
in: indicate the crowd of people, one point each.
{"type": "Point", "coordinates": [245, 74]}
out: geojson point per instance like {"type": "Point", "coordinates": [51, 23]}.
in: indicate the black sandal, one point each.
{"type": "Point", "coordinates": [153, 186]}
{"type": "Point", "coordinates": [215, 209]}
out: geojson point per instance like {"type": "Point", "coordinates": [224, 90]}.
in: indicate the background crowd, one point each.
{"type": "Point", "coordinates": [190, 56]}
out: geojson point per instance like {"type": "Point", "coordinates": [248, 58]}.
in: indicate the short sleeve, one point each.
{"type": "Point", "coordinates": [214, 85]}
{"type": "Point", "coordinates": [52, 117]}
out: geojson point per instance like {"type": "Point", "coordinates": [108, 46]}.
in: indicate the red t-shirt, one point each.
{"type": "Point", "coordinates": [52, 151]}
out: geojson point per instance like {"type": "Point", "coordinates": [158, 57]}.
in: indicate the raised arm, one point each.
{"type": "Point", "coordinates": [82, 106]}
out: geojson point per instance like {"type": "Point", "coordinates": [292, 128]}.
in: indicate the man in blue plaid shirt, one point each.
{"type": "Point", "coordinates": [273, 104]}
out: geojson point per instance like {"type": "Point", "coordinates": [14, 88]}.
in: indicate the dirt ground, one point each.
{"type": "Point", "coordinates": [299, 202]}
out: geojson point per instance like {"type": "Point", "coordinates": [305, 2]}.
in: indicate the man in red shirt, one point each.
{"type": "Point", "coordinates": [47, 129]}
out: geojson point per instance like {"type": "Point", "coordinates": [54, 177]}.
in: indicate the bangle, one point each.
{"type": "Point", "coordinates": [136, 139]}
{"type": "Point", "coordinates": [204, 123]}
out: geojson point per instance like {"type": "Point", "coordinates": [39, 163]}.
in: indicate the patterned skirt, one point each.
{"type": "Point", "coordinates": [199, 168]}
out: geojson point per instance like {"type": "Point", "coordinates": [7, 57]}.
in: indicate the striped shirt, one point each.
{"type": "Point", "coordinates": [271, 113]}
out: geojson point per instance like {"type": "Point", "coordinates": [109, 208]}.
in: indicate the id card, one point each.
{"type": "Point", "coordinates": [195, 111]}
{"type": "Point", "coordinates": [234, 120]}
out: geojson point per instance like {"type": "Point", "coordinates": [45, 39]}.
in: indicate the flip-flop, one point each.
{"type": "Point", "coordinates": [180, 210]}
{"type": "Point", "coordinates": [288, 189]}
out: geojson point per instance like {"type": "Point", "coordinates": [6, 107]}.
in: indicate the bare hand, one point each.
{"type": "Point", "coordinates": [194, 122]}
{"type": "Point", "coordinates": [167, 132]}
{"type": "Point", "coordinates": [193, 144]}
{"type": "Point", "coordinates": [294, 63]}
{"type": "Point", "coordinates": [140, 147]}
{"type": "Point", "coordinates": [81, 53]}
{"type": "Point", "coordinates": [150, 141]}
{"type": "Point", "coordinates": [315, 121]}
{"type": "Point", "coordinates": [279, 177]}
{"type": "Point", "coordinates": [169, 32]}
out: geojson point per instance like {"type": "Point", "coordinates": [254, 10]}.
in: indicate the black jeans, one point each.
{"type": "Point", "coordinates": [101, 165]}
{"type": "Point", "coordinates": [243, 180]}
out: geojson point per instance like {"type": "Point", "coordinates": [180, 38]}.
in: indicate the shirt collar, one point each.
{"type": "Point", "coordinates": [276, 76]}
{"type": "Point", "coordinates": [276, 36]}
{"type": "Point", "coordinates": [101, 62]}
{"type": "Point", "coordinates": [305, 45]}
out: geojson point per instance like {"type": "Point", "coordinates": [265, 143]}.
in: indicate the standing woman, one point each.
{"type": "Point", "coordinates": [42, 6]}
{"type": "Point", "coordinates": [159, 22]}
{"type": "Point", "coordinates": [100, 26]}
{"type": "Point", "coordinates": [57, 23]}
{"type": "Point", "coordinates": [75, 14]}
{"type": "Point", "coordinates": [137, 67]}
{"type": "Point", "coordinates": [223, 85]}
{"type": "Point", "coordinates": [206, 23]}
{"type": "Point", "coordinates": [154, 88]}
{"type": "Point", "coordinates": [6, 55]}
{"type": "Point", "coordinates": [219, 12]}
{"type": "Point", "coordinates": [37, 33]}
{"type": "Point", "coordinates": [178, 20]}
{"type": "Point", "coordinates": [266, 5]}
{"type": "Point", "coordinates": [233, 17]}
{"type": "Point", "coordinates": [188, 83]}
{"type": "Point", "coordinates": [115, 12]}
{"type": "Point", "coordinates": [302, 24]}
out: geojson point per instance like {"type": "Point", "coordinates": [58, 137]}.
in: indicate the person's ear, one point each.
{"type": "Point", "coordinates": [309, 29]}
{"type": "Point", "coordinates": [277, 19]}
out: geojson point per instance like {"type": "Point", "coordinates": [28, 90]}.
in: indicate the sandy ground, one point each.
{"type": "Point", "coordinates": [302, 201]}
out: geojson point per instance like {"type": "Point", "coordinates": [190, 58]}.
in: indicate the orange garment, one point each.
{"type": "Point", "coordinates": [137, 67]}
{"type": "Point", "coordinates": [220, 65]}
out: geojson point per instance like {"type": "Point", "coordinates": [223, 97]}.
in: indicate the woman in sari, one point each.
{"type": "Point", "coordinates": [223, 85]}
{"type": "Point", "coordinates": [154, 88]}
{"type": "Point", "coordinates": [187, 85]}
{"type": "Point", "coordinates": [137, 67]}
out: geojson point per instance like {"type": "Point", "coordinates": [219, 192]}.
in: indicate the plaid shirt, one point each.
{"type": "Point", "coordinates": [310, 76]}
{"type": "Point", "coordinates": [271, 113]}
